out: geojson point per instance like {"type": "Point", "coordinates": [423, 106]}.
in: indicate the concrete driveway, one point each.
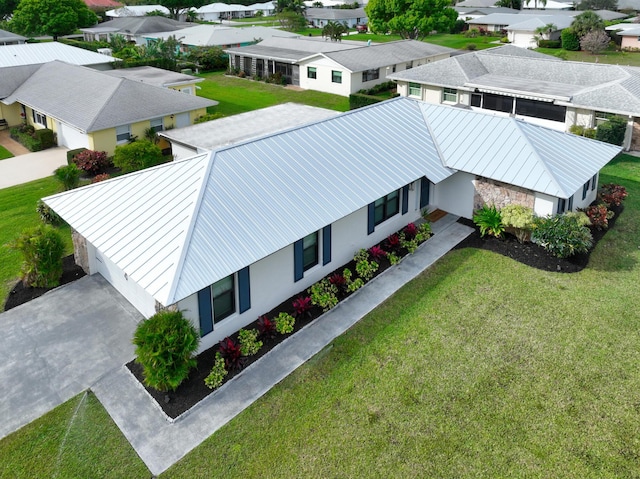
{"type": "Point", "coordinates": [32, 166]}
{"type": "Point", "coordinates": [60, 344]}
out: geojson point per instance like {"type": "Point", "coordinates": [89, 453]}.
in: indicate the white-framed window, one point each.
{"type": "Point", "coordinates": [336, 76]}
{"type": "Point", "coordinates": [415, 89]}
{"type": "Point", "coordinates": [123, 133]}
{"type": "Point", "coordinates": [312, 73]}
{"type": "Point", "coordinates": [450, 95]}
{"type": "Point", "coordinates": [39, 118]}
{"type": "Point", "coordinates": [156, 124]}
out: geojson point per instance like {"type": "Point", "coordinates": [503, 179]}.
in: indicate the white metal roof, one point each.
{"type": "Point", "coordinates": [136, 10]}
{"type": "Point", "coordinates": [230, 208]}
{"type": "Point", "coordinates": [37, 53]}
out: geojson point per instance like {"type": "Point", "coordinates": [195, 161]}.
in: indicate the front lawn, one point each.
{"type": "Point", "coordinates": [610, 56]}
{"type": "Point", "coordinates": [460, 42]}
{"type": "Point", "coordinates": [481, 367]}
{"type": "Point", "coordinates": [4, 153]}
{"type": "Point", "coordinates": [239, 95]}
{"type": "Point", "coordinates": [18, 212]}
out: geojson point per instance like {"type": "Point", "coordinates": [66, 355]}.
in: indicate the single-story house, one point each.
{"type": "Point", "coordinates": [136, 11]}
{"type": "Point", "coordinates": [219, 36]}
{"type": "Point", "coordinates": [223, 11]}
{"type": "Point", "coordinates": [228, 235]}
{"type": "Point", "coordinates": [341, 68]}
{"type": "Point", "coordinates": [133, 29]}
{"type": "Point", "coordinates": [38, 53]}
{"type": "Point", "coordinates": [523, 34]}
{"type": "Point", "coordinates": [319, 17]}
{"type": "Point", "coordinates": [630, 34]}
{"type": "Point", "coordinates": [10, 38]}
{"type": "Point", "coordinates": [211, 135]}
{"type": "Point", "coordinates": [472, 13]}
{"type": "Point", "coordinates": [90, 109]}
{"type": "Point", "coordinates": [267, 8]}
{"type": "Point", "coordinates": [509, 80]}
{"type": "Point", "coordinates": [548, 5]}
{"type": "Point", "coordinates": [159, 77]}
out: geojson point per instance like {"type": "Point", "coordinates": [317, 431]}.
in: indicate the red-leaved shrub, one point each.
{"type": "Point", "coordinates": [613, 194]}
{"type": "Point", "coordinates": [302, 305]}
{"type": "Point", "coordinates": [377, 253]}
{"type": "Point", "coordinates": [599, 216]}
{"type": "Point", "coordinates": [100, 177]}
{"type": "Point", "coordinates": [231, 352]}
{"type": "Point", "coordinates": [93, 162]}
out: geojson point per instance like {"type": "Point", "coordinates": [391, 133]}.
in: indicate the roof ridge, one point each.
{"type": "Point", "coordinates": [422, 108]}
{"type": "Point", "coordinates": [107, 101]}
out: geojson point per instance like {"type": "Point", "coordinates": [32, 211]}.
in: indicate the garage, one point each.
{"type": "Point", "coordinates": [70, 137]}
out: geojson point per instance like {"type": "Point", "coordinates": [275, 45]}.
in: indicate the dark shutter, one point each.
{"type": "Point", "coordinates": [371, 218]}
{"type": "Point", "coordinates": [298, 261]}
{"type": "Point", "coordinates": [405, 199]}
{"type": "Point", "coordinates": [244, 290]}
{"type": "Point", "coordinates": [570, 207]}
{"type": "Point", "coordinates": [424, 192]}
{"type": "Point", "coordinates": [326, 245]}
{"type": "Point", "coordinates": [205, 311]}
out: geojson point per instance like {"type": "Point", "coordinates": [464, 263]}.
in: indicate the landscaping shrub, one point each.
{"type": "Point", "coordinates": [71, 154]}
{"type": "Point", "coordinates": [32, 139]}
{"type": "Point", "coordinates": [612, 131]}
{"type": "Point", "coordinates": [489, 220]}
{"type": "Point", "coordinates": [599, 215]}
{"type": "Point", "coordinates": [45, 138]}
{"type": "Point", "coordinates": [377, 253]}
{"type": "Point", "coordinates": [471, 47]}
{"type": "Point", "coordinates": [562, 235]}
{"type": "Point", "coordinates": [47, 215]}
{"type": "Point", "coordinates": [137, 156]}
{"type": "Point", "coordinates": [266, 327]}
{"type": "Point", "coordinates": [520, 219]}
{"type": "Point", "coordinates": [42, 249]}
{"type": "Point", "coordinates": [100, 177]}
{"type": "Point", "coordinates": [68, 175]}
{"type": "Point", "coordinates": [285, 323]}
{"type": "Point", "coordinates": [92, 162]}
{"type": "Point", "coordinates": [217, 374]}
{"type": "Point", "coordinates": [324, 294]}
{"type": "Point", "coordinates": [550, 44]}
{"type": "Point", "coordinates": [249, 344]}
{"type": "Point", "coordinates": [612, 194]}
{"type": "Point", "coordinates": [583, 131]}
{"type": "Point", "coordinates": [302, 305]}
{"type": "Point", "coordinates": [569, 40]}
{"type": "Point", "coordinates": [358, 100]}
{"type": "Point", "coordinates": [165, 347]}
{"type": "Point", "coordinates": [231, 353]}
{"type": "Point", "coordinates": [209, 58]}
{"type": "Point", "coordinates": [365, 268]}
{"type": "Point", "coordinates": [472, 33]}
{"type": "Point", "coordinates": [208, 117]}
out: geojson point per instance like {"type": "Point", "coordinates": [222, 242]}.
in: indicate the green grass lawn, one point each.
{"type": "Point", "coordinates": [239, 95]}
{"type": "Point", "coordinates": [4, 153]}
{"type": "Point", "coordinates": [481, 367]}
{"type": "Point", "coordinates": [460, 42]}
{"type": "Point", "coordinates": [610, 56]}
{"type": "Point", "coordinates": [17, 213]}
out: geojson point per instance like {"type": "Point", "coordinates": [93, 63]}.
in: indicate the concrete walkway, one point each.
{"type": "Point", "coordinates": [31, 166]}
{"type": "Point", "coordinates": [60, 344]}
{"type": "Point", "coordinates": [160, 443]}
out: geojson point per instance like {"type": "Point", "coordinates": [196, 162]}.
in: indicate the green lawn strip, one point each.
{"type": "Point", "coordinates": [610, 56]}
{"type": "Point", "coordinates": [18, 212]}
{"type": "Point", "coordinates": [480, 367]}
{"type": "Point", "coordinates": [239, 95]}
{"type": "Point", "coordinates": [460, 42]}
{"type": "Point", "coordinates": [77, 439]}
{"type": "Point", "coordinates": [4, 153]}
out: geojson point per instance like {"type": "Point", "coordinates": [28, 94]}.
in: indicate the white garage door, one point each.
{"type": "Point", "coordinates": [70, 137]}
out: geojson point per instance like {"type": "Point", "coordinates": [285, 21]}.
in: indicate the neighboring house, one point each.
{"type": "Point", "coordinates": [524, 33]}
{"type": "Point", "coordinates": [102, 5]}
{"type": "Point", "coordinates": [159, 77]}
{"type": "Point", "coordinates": [545, 90]}
{"type": "Point", "coordinates": [191, 140]}
{"type": "Point", "coordinates": [334, 67]}
{"type": "Point", "coordinates": [267, 9]}
{"type": "Point", "coordinates": [90, 109]}
{"type": "Point", "coordinates": [548, 5]}
{"type": "Point", "coordinates": [629, 33]}
{"type": "Point", "coordinates": [226, 236]}
{"type": "Point", "coordinates": [319, 17]}
{"type": "Point", "coordinates": [219, 36]}
{"type": "Point", "coordinates": [136, 11]}
{"type": "Point", "coordinates": [38, 53]}
{"type": "Point", "coordinates": [476, 4]}
{"type": "Point", "coordinates": [10, 38]}
{"type": "Point", "coordinates": [223, 11]}
{"type": "Point", "coordinates": [472, 13]}
{"type": "Point", "coordinates": [133, 29]}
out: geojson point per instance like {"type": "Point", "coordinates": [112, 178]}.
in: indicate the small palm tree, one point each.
{"type": "Point", "coordinates": [545, 31]}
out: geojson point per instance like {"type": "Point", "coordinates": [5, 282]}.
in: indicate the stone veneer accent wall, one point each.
{"type": "Point", "coordinates": [490, 192]}
{"type": "Point", "coordinates": [171, 307]}
{"type": "Point", "coordinates": [80, 254]}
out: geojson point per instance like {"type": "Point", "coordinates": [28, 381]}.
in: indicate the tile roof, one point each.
{"type": "Point", "coordinates": [236, 205]}
{"type": "Point", "coordinates": [92, 101]}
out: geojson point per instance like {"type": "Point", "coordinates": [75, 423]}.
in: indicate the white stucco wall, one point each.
{"type": "Point", "coordinates": [322, 82]}
{"type": "Point", "coordinates": [180, 152]}
{"type": "Point", "coordinates": [455, 194]}
{"type": "Point", "coordinates": [544, 205]}
{"type": "Point", "coordinates": [272, 278]}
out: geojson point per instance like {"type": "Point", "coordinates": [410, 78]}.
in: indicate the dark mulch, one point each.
{"type": "Point", "coordinates": [530, 253]}
{"type": "Point", "coordinates": [21, 294]}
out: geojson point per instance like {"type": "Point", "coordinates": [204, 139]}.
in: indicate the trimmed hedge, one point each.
{"type": "Point", "coordinates": [358, 100]}
{"type": "Point", "coordinates": [91, 46]}
{"type": "Point", "coordinates": [33, 140]}
{"type": "Point", "coordinates": [612, 131]}
{"type": "Point", "coordinates": [550, 44]}
{"type": "Point", "coordinates": [570, 40]}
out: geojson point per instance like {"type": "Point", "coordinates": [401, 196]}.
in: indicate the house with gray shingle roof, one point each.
{"type": "Point", "coordinates": [537, 88]}
{"type": "Point", "coordinates": [228, 235]}
{"type": "Point", "coordinates": [133, 29]}
{"type": "Point", "coordinates": [319, 17]}
{"type": "Point", "coordinates": [10, 38]}
{"type": "Point", "coordinates": [341, 68]}
{"type": "Point", "coordinates": [95, 110]}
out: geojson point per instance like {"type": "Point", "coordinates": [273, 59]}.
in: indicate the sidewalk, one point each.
{"type": "Point", "coordinates": [161, 443]}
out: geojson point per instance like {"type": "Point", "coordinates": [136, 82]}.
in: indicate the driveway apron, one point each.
{"type": "Point", "coordinates": [60, 344]}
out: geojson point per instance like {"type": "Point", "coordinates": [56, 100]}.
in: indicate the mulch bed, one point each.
{"type": "Point", "coordinates": [20, 293]}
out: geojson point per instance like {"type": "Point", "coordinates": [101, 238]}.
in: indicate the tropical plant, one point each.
{"type": "Point", "coordinates": [599, 216]}
{"type": "Point", "coordinates": [42, 249]}
{"type": "Point", "coordinates": [410, 231]}
{"type": "Point", "coordinates": [209, 58]}
{"type": "Point", "coordinates": [366, 269]}
{"type": "Point", "coordinates": [612, 194]}
{"type": "Point", "coordinates": [545, 31]}
{"type": "Point", "coordinates": [302, 305]}
{"type": "Point", "coordinates": [324, 294]}
{"type": "Point", "coordinates": [47, 215]}
{"type": "Point", "coordinates": [166, 344]}
{"type": "Point", "coordinates": [230, 351]}
{"type": "Point", "coordinates": [377, 253]}
{"type": "Point", "coordinates": [285, 323]}
{"type": "Point", "coordinates": [586, 22]}
{"type": "Point", "coordinates": [68, 176]}
{"type": "Point", "coordinates": [249, 344]}
{"type": "Point", "coordinates": [535, 3]}
{"type": "Point", "coordinates": [217, 374]}
{"type": "Point", "coordinates": [137, 156]}
{"type": "Point", "coordinates": [489, 220]}
{"type": "Point", "coordinates": [92, 162]}
{"type": "Point", "coordinates": [519, 218]}
{"type": "Point", "coordinates": [266, 327]}
{"type": "Point", "coordinates": [562, 235]}
{"type": "Point", "coordinates": [334, 31]}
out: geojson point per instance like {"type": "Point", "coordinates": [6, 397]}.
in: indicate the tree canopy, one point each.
{"type": "Point", "coordinates": [51, 17]}
{"type": "Point", "coordinates": [413, 19]}
{"type": "Point", "coordinates": [175, 7]}
{"type": "Point", "coordinates": [515, 4]}
{"type": "Point", "coordinates": [295, 6]}
{"type": "Point", "coordinates": [334, 30]}
{"type": "Point", "coordinates": [586, 22]}
{"type": "Point", "coordinates": [7, 7]}
{"type": "Point", "coordinates": [598, 5]}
